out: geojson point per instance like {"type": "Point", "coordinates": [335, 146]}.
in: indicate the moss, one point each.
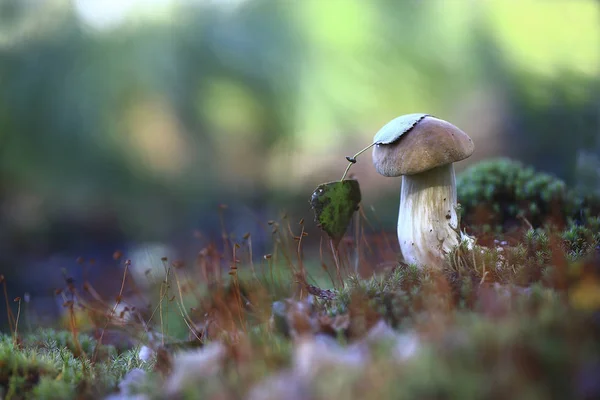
{"type": "Point", "coordinates": [582, 238]}
{"type": "Point", "coordinates": [52, 389]}
{"type": "Point", "coordinates": [537, 351]}
{"type": "Point", "coordinates": [534, 356]}
{"type": "Point", "coordinates": [46, 365]}
{"type": "Point", "coordinates": [21, 370]}
{"type": "Point", "coordinates": [534, 344]}
{"type": "Point", "coordinates": [496, 195]}
{"type": "Point", "coordinates": [52, 339]}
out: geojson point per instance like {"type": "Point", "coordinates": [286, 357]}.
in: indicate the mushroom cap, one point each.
{"type": "Point", "coordinates": [429, 143]}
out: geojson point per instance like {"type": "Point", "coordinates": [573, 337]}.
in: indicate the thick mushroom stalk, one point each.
{"type": "Point", "coordinates": [427, 220]}
{"type": "Point", "coordinates": [422, 149]}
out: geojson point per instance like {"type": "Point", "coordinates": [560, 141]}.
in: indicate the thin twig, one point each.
{"type": "Point", "coordinates": [99, 342]}
{"type": "Point", "coordinates": [352, 160]}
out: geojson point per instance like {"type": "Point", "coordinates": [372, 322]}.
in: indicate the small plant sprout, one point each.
{"type": "Point", "coordinates": [422, 149]}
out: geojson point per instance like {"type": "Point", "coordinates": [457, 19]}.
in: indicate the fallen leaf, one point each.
{"type": "Point", "coordinates": [334, 203]}
{"type": "Point", "coordinates": [397, 127]}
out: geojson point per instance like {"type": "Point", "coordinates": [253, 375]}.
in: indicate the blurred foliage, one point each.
{"type": "Point", "coordinates": [95, 123]}
{"type": "Point", "coordinates": [137, 130]}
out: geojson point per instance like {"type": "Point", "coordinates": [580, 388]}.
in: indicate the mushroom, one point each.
{"type": "Point", "coordinates": [422, 149]}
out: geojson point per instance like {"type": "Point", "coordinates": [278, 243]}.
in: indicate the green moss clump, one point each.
{"type": "Point", "coordinates": [495, 194]}
{"type": "Point", "coordinates": [20, 371]}
{"type": "Point", "coordinates": [53, 389]}
{"type": "Point", "coordinates": [397, 297]}
{"type": "Point", "coordinates": [47, 365]}
{"type": "Point", "coordinates": [86, 345]}
{"type": "Point", "coordinates": [582, 238]}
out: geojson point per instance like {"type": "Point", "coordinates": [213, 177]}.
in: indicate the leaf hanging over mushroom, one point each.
{"type": "Point", "coordinates": [334, 204]}
{"type": "Point", "coordinates": [397, 127]}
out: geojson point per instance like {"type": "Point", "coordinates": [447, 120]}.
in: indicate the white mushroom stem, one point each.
{"type": "Point", "coordinates": [427, 220]}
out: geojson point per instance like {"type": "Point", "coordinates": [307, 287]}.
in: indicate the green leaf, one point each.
{"type": "Point", "coordinates": [397, 127]}
{"type": "Point", "coordinates": [334, 204]}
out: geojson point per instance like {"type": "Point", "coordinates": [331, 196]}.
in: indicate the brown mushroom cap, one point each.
{"type": "Point", "coordinates": [431, 143]}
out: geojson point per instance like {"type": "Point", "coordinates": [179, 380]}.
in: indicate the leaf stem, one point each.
{"type": "Point", "coordinates": [353, 160]}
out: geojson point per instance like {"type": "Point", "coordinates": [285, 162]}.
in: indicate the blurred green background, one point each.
{"type": "Point", "coordinates": [131, 121]}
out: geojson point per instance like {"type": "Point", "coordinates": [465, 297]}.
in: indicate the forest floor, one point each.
{"type": "Point", "coordinates": [517, 318]}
